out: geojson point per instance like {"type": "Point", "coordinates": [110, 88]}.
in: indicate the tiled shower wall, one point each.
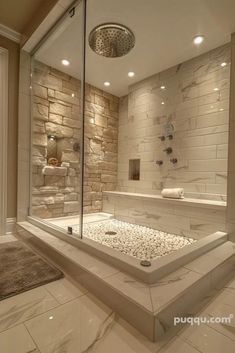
{"type": "Point", "coordinates": [56, 111]}
{"type": "Point", "coordinates": [196, 102]}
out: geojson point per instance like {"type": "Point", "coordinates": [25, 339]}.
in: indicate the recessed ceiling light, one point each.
{"type": "Point", "coordinates": [221, 109]}
{"type": "Point", "coordinates": [107, 83]}
{"type": "Point", "coordinates": [51, 317]}
{"type": "Point", "coordinates": [65, 62]}
{"type": "Point", "coordinates": [163, 87]}
{"type": "Point", "coordinates": [223, 64]}
{"type": "Point", "coordinates": [163, 103]}
{"type": "Point", "coordinates": [131, 74]}
{"type": "Point", "coordinates": [216, 89]}
{"type": "Point", "coordinates": [73, 95]}
{"type": "Point", "coordinates": [198, 39]}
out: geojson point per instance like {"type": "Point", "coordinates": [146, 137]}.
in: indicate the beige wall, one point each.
{"type": "Point", "coordinates": [13, 50]}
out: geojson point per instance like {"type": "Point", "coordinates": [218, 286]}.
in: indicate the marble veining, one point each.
{"type": "Point", "coordinates": [192, 218]}
{"type": "Point", "coordinates": [196, 103]}
{"type": "Point", "coordinates": [17, 309]}
{"type": "Point", "coordinates": [103, 329]}
{"type": "Point", "coordinates": [87, 326]}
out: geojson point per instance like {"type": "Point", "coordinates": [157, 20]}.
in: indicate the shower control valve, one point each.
{"type": "Point", "coordinates": [173, 160]}
{"type": "Point", "coordinates": [168, 150]}
{"type": "Point", "coordinates": [159, 163]}
{"type": "Point", "coordinates": [170, 137]}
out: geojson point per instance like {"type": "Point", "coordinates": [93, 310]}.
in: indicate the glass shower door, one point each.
{"type": "Point", "coordinates": [57, 74]}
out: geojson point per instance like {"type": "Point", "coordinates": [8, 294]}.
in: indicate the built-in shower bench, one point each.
{"type": "Point", "coordinates": [191, 217]}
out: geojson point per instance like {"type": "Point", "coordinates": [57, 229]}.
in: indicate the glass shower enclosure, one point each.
{"type": "Point", "coordinates": [57, 106]}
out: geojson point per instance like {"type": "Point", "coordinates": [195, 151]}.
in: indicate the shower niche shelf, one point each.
{"type": "Point", "coordinates": [134, 169]}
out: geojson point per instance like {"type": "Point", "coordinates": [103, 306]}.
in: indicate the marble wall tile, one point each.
{"type": "Point", "coordinates": [181, 219]}
{"type": "Point", "coordinates": [231, 156]}
{"type": "Point", "coordinates": [196, 102]}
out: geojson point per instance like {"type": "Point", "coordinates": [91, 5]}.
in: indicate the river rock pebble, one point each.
{"type": "Point", "coordinates": [134, 240]}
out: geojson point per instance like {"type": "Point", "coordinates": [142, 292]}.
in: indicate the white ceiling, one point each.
{"type": "Point", "coordinates": [163, 29]}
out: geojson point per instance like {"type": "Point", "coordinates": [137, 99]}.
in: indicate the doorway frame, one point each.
{"type": "Point", "coordinates": [3, 137]}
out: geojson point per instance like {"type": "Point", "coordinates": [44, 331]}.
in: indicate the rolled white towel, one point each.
{"type": "Point", "coordinates": [176, 193]}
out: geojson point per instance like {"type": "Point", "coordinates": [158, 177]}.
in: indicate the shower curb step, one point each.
{"type": "Point", "coordinates": [159, 268]}
{"type": "Point", "coordinates": [150, 308]}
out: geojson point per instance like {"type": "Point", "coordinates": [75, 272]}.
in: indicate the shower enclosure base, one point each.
{"type": "Point", "coordinates": [70, 221]}
{"type": "Point", "coordinates": [151, 308]}
{"type": "Point", "coordinates": [159, 266]}
{"type": "Point", "coordinates": [141, 242]}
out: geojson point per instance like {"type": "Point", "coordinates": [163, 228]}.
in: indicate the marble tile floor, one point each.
{"type": "Point", "coordinates": [62, 317]}
{"type": "Point", "coordinates": [7, 238]}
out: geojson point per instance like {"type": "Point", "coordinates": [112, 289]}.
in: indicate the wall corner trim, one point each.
{"type": "Point", "coordinates": [3, 136]}
{"type": "Point", "coordinates": [10, 226]}
{"type": "Point", "coordinates": [10, 33]}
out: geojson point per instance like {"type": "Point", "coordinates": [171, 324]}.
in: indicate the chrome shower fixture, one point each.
{"type": "Point", "coordinates": [168, 150]}
{"type": "Point", "coordinates": [159, 162]}
{"type": "Point", "coordinates": [111, 40]}
{"type": "Point", "coordinates": [174, 160]}
{"type": "Point", "coordinates": [170, 137]}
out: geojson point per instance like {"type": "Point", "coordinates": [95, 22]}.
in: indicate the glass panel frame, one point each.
{"type": "Point", "coordinates": [79, 5]}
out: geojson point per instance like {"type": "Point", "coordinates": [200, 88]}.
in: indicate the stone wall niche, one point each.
{"type": "Point", "coordinates": [134, 169]}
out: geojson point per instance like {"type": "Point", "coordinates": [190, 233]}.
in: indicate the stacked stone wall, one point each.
{"type": "Point", "coordinates": [56, 114]}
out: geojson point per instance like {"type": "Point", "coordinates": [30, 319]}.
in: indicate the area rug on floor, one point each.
{"type": "Point", "coordinates": [21, 269]}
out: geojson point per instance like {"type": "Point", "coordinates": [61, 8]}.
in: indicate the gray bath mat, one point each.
{"type": "Point", "coordinates": [21, 269]}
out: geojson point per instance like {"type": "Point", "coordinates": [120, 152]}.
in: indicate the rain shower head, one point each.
{"type": "Point", "coordinates": [111, 40]}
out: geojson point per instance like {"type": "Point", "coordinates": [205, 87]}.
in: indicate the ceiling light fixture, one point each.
{"type": "Point", "coordinates": [131, 74]}
{"type": "Point", "coordinates": [163, 87]}
{"type": "Point", "coordinates": [216, 89]}
{"type": "Point", "coordinates": [107, 84]}
{"type": "Point", "coordinates": [65, 62]}
{"type": "Point", "coordinates": [198, 39]}
{"type": "Point", "coordinates": [163, 103]}
{"type": "Point", "coordinates": [223, 64]}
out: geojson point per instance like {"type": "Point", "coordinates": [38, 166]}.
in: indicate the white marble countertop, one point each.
{"type": "Point", "coordinates": [212, 204]}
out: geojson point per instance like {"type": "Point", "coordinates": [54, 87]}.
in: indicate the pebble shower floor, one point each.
{"type": "Point", "coordinates": [138, 241]}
